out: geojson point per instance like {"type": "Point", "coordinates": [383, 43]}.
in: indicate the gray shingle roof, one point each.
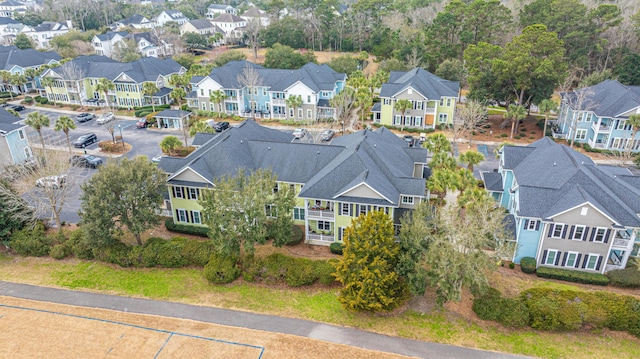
{"type": "Point", "coordinates": [229, 18]}
{"type": "Point", "coordinates": [492, 181]}
{"type": "Point", "coordinates": [201, 24]}
{"type": "Point", "coordinates": [553, 178]}
{"type": "Point", "coordinates": [428, 84]}
{"type": "Point", "coordinates": [609, 98]}
{"type": "Point", "coordinates": [133, 19]}
{"type": "Point", "coordinates": [142, 70]}
{"type": "Point", "coordinates": [173, 114]}
{"type": "Point", "coordinates": [11, 56]}
{"type": "Point", "coordinates": [8, 122]}
{"type": "Point", "coordinates": [111, 34]}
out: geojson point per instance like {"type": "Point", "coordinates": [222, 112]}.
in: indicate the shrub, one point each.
{"type": "Point", "coordinates": [299, 272]}
{"type": "Point", "coordinates": [59, 251]}
{"type": "Point", "coordinates": [118, 253]}
{"type": "Point", "coordinates": [196, 252]}
{"type": "Point", "coordinates": [221, 270]}
{"type": "Point", "coordinates": [528, 265]}
{"type": "Point", "coordinates": [506, 311]}
{"type": "Point", "coordinates": [79, 244]}
{"type": "Point", "coordinates": [109, 146]}
{"type": "Point", "coordinates": [296, 236]}
{"type": "Point", "coordinates": [573, 276]}
{"type": "Point", "coordinates": [28, 99]}
{"type": "Point", "coordinates": [186, 229]}
{"type": "Point", "coordinates": [512, 265]}
{"type": "Point", "coordinates": [504, 135]}
{"type": "Point", "coordinates": [31, 241]}
{"type": "Point", "coordinates": [336, 248]}
{"type": "Point", "coordinates": [182, 151]}
{"type": "Point", "coordinates": [626, 278]}
{"type": "Point", "coordinates": [325, 270]}
{"type": "Point", "coordinates": [43, 100]}
{"type": "Point", "coordinates": [295, 272]}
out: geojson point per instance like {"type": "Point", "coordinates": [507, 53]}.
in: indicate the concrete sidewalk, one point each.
{"type": "Point", "coordinates": [269, 323]}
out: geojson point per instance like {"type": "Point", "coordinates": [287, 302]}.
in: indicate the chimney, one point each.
{"type": "Point", "coordinates": [69, 24]}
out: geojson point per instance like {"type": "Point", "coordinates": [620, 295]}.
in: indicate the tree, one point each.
{"type": "Point", "coordinates": [288, 32]}
{"type": "Point", "coordinates": [37, 121]}
{"type": "Point", "coordinates": [195, 41]}
{"type": "Point", "coordinates": [441, 181]}
{"type": "Point", "coordinates": [473, 115]}
{"type": "Point", "coordinates": [343, 104]}
{"type": "Point", "coordinates": [251, 80]}
{"type": "Point", "coordinates": [17, 80]}
{"type": "Point", "coordinates": [634, 121]}
{"type": "Point", "coordinates": [284, 57]}
{"type": "Point", "coordinates": [294, 102]}
{"type": "Point", "coordinates": [367, 267]}
{"type": "Point", "coordinates": [414, 242]}
{"type": "Point", "coordinates": [111, 203]}
{"type": "Point", "coordinates": [344, 64]}
{"type": "Point", "coordinates": [236, 211]}
{"type": "Point", "coordinates": [228, 56]}
{"type": "Point", "coordinates": [200, 127]}
{"type": "Point", "coordinates": [437, 143]}
{"type": "Point", "coordinates": [14, 212]}
{"type": "Point", "coordinates": [169, 143]}
{"type": "Point", "coordinates": [453, 70]}
{"type": "Point", "coordinates": [126, 50]}
{"type": "Point", "coordinates": [105, 85]}
{"type": "Point", "coordinates": [251, 36]}
{"type": "Point", "coordinates": [546, 107]}
{"type": "Point", "coordinates": [471, 158]}
{"type": "Point", "coordinates": [178, 94]}
{"type": "Point", "coordinates": [515, 113]}
{"type": "Point", "coordinates": [628, 71]}
{"type": "Point", "coordinates": [23, 41]}
{"type": "Point", "coordinates": [150, 89]}
{"type": "Point", "coordinates": [402, 105]}
{"type": "Point", "coordinates": [65, 124]}
{"type": "Point", "coordinates": [364, 100]}
{"type": "Point", "coordinates": [49, 82]}
{"type": "Point", "coordinates": [218, 97]}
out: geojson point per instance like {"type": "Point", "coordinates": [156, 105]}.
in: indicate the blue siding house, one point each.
{"type": "Point", "coordinates": [14, 144]}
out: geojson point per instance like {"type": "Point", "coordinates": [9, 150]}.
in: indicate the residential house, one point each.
{"type": "Point", "coordinates": [255, 14]}
{"type": "Point", "coordinates": [599, 116]}
{"type": "Point", "coordinates": [4, 22]}
{"type": "Point", "coordinates": [14, 144]}
{"type": "Point", "coordinates": [315, 84]}
{"type": "Point", "coordinates": [136, 21]}
{"type": "Point", "coordinates": [9, 8]}
{"type": "Point", "coordinates": [18, 61]}
{"type": "Point", "coordinates": [433, 100]}
{"type": "Point", "coordinates": [199, 26]}
{"type": "Point", "coordinates": [104, 44]}
{"type": "Point", "coordinates": [334, 183]}
{"type": "Point", "coordinates": [128, 78]}
{"type": "Point", "coordinates": [568, 211]}
{"type": "Point", "coordinates": [218, 9]}
{"type": "Point", "coordinates": [170, 16]}
{"type": "Point", "coordinates": [43, 33]}
{"type": "Point", "coordinates": [232, 25]}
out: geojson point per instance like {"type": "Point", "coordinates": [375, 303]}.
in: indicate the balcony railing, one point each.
{"type": "Point", "coordinates": [596, 144]}
{"type": "Point", "coordinates": [278, 101]}
{"type": "Point", "coordinates": [600, 128]}
{"type": "Point", "coordinates": [321, 237]}
{"type": "Point", "coordinates": [319, 213]}
{"type": "Point", "coordinates": [430, 110]}
{"type": "Point", "coordinates": [612, 267]}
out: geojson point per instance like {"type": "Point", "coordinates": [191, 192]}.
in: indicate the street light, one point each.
{"type": "Point", "coordinates": [121, 138]}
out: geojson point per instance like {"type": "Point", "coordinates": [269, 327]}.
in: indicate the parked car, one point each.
{"type": "Point", "coordinates": [142, 123]}
{"type": "Point", "coordinates": [55, 181]}
{"type": "Point", "coordinates": [85, 116]}
{"type": "Point", "coordinates": [409, 140]}
{"type": "Point", "coordinates": [220, 126]}
{"type": "Point", "coordinates": [327, 135]}
{"type": "Point", "coordinates": [86, 161]}
{"type": "Point", "coordinates": [299, 133]}
{"type": "Point", "coordinates": [85, 140]}
{"type": "Point", "coordinates": [104, 118]}
{"type": "Point", "coordinates": [156, 159]}
{"type": "Point", "coordinates": [15, 108]}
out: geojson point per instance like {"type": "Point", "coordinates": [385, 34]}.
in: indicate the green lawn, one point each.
{"type": "Point", "coordinates": [320, 304]}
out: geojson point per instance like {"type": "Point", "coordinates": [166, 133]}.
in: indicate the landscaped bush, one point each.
{"type": "Point", "coordinates": [325, 270]}
{"type": "Point", "coordinates": [196, 252]}
{"type": "Point", "coordinates": [182, 151]}
{"type": "Point", "coordinates": [79, 244]}
{"type": "Point", "coordinates": [221, 270]}
{"type": "Point", "coordinates": [573, 276]}
{"type": "Point", "coordinates": [43, 100]}
{"type": "Point", "coordinates": [299, 272]}
{"type": "Point", "coordinates": [626, 278]}
{"type": "Point", "coordinates": [181, 228]}
{"type": "Point", "coordinates": [5, 94]}
{"type": "Point", "coordinates": [163, 253]}
{"type": "Point", "coordinates": [336, 248]}
{"type": "Point", "coordinates": [31, 241]}
{"type": "Point", "coordinates": [506, 311]}
{"type": "Point", "coordinates": [109, 146]}
{"type": "Point", "coordinates": [296, 236]}
{"type": "Point", "coordinates": [528, 265]}
{"type": "Point", "coordinates": [118, 253]}
{"type": "Point", "coordinates": [278, 268]}
{"type": "Point", "coordinates": [60, 251]}
{"type": "Point", "coordinates": [28, 99]}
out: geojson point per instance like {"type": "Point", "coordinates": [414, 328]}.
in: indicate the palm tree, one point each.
{"type": "Point", "coordinates": [104, 85]}
{"type": "Point", "coordinates": [217, 97]}
{"type": "Point", "coordinates": [4, 77]}
{"type": "Point", "coordinates": [634, 121]}
{"type": "Point", "coordinates": [37, 121]}
{"type": "Point", "coordinates": [465, 180]}
{"type": "Point", "coordinates": [294, 101]}
{"type": "Point", "coordinates": [546, 106]}
{"type": "Point", "coordinates": [515, 113]}
{"type": "Point", "coordinates": [442, 160]}
{"type": "Point", "coordinates": [440, 181]}
{"type": "Point", "coordinates": [48, 82]}
{"type": "Point", "coordinates": [150, 89]}
{"type": "Point", "coordinates": [471, 158]}
{"type": "Point", "coordinates": [402, 105]}
{"type": "Point", "coordinates": [17, 80]}
{"type": "Point", "coordinates": [178, 94]}
{"type": "Point", "coordinates": [437, 143]}
{"type": "Point", "coordinates": [65, 124]}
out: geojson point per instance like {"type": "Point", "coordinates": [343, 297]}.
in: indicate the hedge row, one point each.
{"type": "Point", "coordinates": [528, 265]}
{"type": "Point", "coordinates": [506, 311]}
{"type": "Point", "coordinates": [295, 272]}
{"type": "Point", "coordinates": [555, 309]}
{"type": "Point", "coordinates": [572, 276]}
{"type": "Point", "coordinates": [626, 278]}
{"type": "Point", "coordinates": [186, 229]}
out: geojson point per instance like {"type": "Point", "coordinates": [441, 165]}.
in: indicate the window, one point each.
{"type": "Point", "coordinates": [581, 134]}
{"type": "Point", "coordinates": [397, 119]}
{"type": "Point", "coordinates": [298, 213]}
{"type": "Point", "coordinates": [196, 217]}
{"type": "Point", "coordinates": [443, 117]}
{"type": "Point", "coordinates": [592, 261]}
{"type": "Point", "coordinates": [448, 102]}
{"type": "Point", "coordinates": [264, 91]}
{"type": "Point", "coordinates": [346, 209]}
{"type": "Point", "coordinates": [386, 101]}
{"type": "Point", "coordinates": [299, 113]}
{"type": "Point", "coordinates": [551, 257]}
{"type": "Point", "coordinates": [290, 112]}
{"type": "Point", "coordinates": [531, 225]}
{"type": "Point", "coordinates": [201, 92]}
{"type": "Point", "coordinates": [21, 134]}
{"type": "Point", "coordinates": [441, 102]}
{"type": "Point", "coordinates": [275, 188]}
{"type": "Point", "coordinates": [182, 215]}
{"type": "Point", "coordinates": [578, 233]}
{"type": "Point", "coordinates": [308, 98]}
{"type": "Point", "coordinates": [324, 226]}
{"type": "Point", "coordinates": [407, 200]}
{"type": "Point", "coordinates": [177, 192]}
{"type": "Point", "coordinates": [600, 235]}
{"type": "Point", "coordinates": [417, 105]}
{"type": "Point", "coordinates": [193, 193]}
{"type": "Point", "coordinates": [557, 229]}
{"type": "Point", "coordinates": [340, 233]}
{"type": "Point", "coordinates": [571, 259]}
{"type": "Point", "coordinates": [309, 113]}
{"type": "Point", "coordinates": [363, 209]}
{"type": "Point", "coordinates": [270, 210]}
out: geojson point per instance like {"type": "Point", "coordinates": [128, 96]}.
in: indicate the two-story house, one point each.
{"type": "Point", "coordinates": [135, 21]}
{"type": "Point", "coordinates": [14, 142]}
{"type": "Point", "coordinates": [170, 16]}
{"type": "Point", "coordinates": [199, 26]}
{"type": "Point", "coordinates": [598, 116]}
{"type": "Point", "coordinates": [267, 96]}
{"type": "Point", "coordinates": [433, 100]}
{"type": "Point", "coordinates": [18, 61]}
{"type": "Point", "coordinates": [9, 8]}
{"type": "Point", "coordinates": [43, 33]}
{"type": "Point", "coordinates": [334, 183]}
{"type": "Point", "coordinates": [255, 14]}
{"type": "Point", "coordinates": [232, 25]}
{"type": "Point", "coordinates": [128, 79]}
{"type": "Point", "coordinates": [214, 10]}
{"type": "Point", "coordinates": [104, 44]}
{"type": "Point", "coordinates": [569, 212]}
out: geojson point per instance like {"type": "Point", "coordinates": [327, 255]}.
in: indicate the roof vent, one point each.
{"type": "Point", "coordinates": [269, 148]}
{"type": "Point", "coordinates": [241, 142]}
{"type": "Point", "coordinates": [318, 152]}
{"type": "Point", "coordinates": [554, 164]}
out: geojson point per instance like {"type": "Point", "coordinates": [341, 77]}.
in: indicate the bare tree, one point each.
{"type": "Point", "coordinates": [578, 102]}
{"type": "Point", "coordinates": [343, 103]}
{"type": "Point", "coordinates": [251, 32]}
{"type": "Point", "coordinates": [72, 75]}
{"type": "Point", "coordinates": [473, 115]}
{"type": "Point", "coordinates": [413, 59]}
{"type": "Point", "coordinates": [250, 78]}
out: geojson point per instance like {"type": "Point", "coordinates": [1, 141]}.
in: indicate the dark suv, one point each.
{"type": "Point", "coordinates": [220, 126]}
{"type": "Point", "coordinates": [86, 161]}
{"type": "Point", "coordinates": [85, 140]}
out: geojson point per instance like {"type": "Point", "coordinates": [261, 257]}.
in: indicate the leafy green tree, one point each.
{"type": "Point", "coordinates": [169, 143]}
{"type": "Point", "coordinates": [14, 212]}
{"type": "Point", "coordinates": [628, 71]}
{"type": "Point", "coordinates": [29, 18]}
{"type": "Point", "coordinates": [110, 203]}
{"type": "Point", "coordinates": [23, 41]}
{"type": "Point", "coordinates": [17, 80]}
{"type": "Point", "coordinates": [294, 102]}
{"type": "Point", "coordinates": [284, 57]}
{"type": "Point", "coordinates": [392, 64]}
{"type": "Point", "coordinates": [367, 267]}
{"type": "Point", "coordinates": [105, 85]}
{"type": "Point", "coordinates": [344, 64]}
{"type": "Point", "coordinates": [48, 82]}
{"type": "Point", "coordinates": [288, 32]}
{"type": "Point", "coordinates": [65, 124]}
{"type": "Point", "coordinates": [452, 70]}
{"type": "Point", "coordinates": [364, 100]}
{"type": "Point", "coordinates": [178, 94]}
{"type": "Point", "coordinates": [441, 181]}
{"type": "Point", "coordinates": [596, 77]}
{"type": "Point", "coordinates": [442, 160]}
{"type": "Point", "coordinates": [200, 127]}
{"type": "Point", "coordinates": [195, 41]}
{"type": "Point", "coordinates": [515, 113]}
{"type": "Point", "coordinates": [127, 51]}
{"type": "Point", "coordinates": [150, 89]}
{"type": "Point", "coordinates": [471, 158]}
{"type": "Point", "coordinates": [37, 121]}
{"type": "Point", "coordinates": [483, 79]}
{"type": "Point", "coordinates": [402, 105]}
{"type": "Point", "coordinates": [186, 60]}
{"type": "Point", "coordinates": [236, 211]}
{"type": "Point", "coordinates": [218, 97]}
{"type": "Point", "coordinates": [228, 56]}
{"type": "Point", "coordinates": [414, 242]}
{"type": "Point", "coordinates": [547, 106]}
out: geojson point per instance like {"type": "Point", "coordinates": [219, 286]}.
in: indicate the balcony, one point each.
{"type": "Point", "coordinates": [278, 101]}
{"type": "Point", "coordinates": [609, 267]}
{"type": "Point", "coordinates": [326, 238]}
{"type": "Point", "coordinates": [599, 127]}
{"type": "Point", "coordinates": [597, 143]}
{"type": "Point", "coordinates": [430, 110]}
{"type": "Point", "coordinates": [320, 214]}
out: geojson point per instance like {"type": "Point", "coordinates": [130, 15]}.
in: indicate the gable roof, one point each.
{"type": "Point", "coordinates": [553, 178]}
{"type": "Point", "coordinates": [111, 34]}
{"type": "Point", "coordinates": [226, 17]}
{"type": "Point", "coordinates": [50, 26]}
{"type": "Point", "coordinates": [201, 24]}
{"type": "Point", "coordinates": [428, 84]}
{"type": "Point", "coordinates": [11, 56]}
{"type": "Point", "coordinates": [174, 14]}
{"type": "Point", "coordinates": [377, 159]}
{"type": "Point", "coordinates": [8, 122]}
{"type": "Point", "coordinates": [133, 19]}
{"type": "Point", "coordinates": [609, 98]}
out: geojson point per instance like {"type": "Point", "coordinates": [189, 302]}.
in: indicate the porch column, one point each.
{"type": "Point", "coordinates": [306, 221]}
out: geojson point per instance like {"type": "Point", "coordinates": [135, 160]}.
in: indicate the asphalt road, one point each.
{"type": "Point", "coordinates": [304, 328]}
